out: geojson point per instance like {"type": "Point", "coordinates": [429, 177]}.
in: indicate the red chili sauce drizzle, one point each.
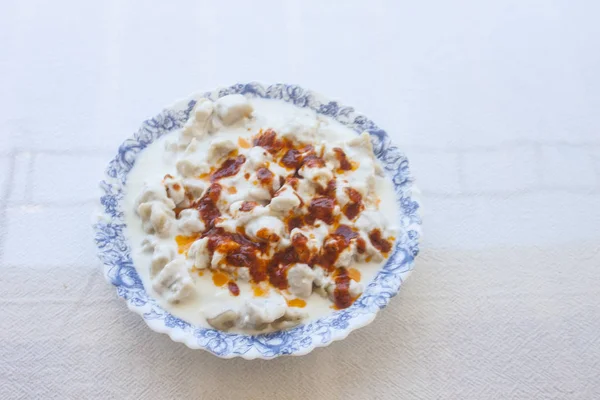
{"type": "Point", "coordinates": [295, 222]}
{"type": "Point", "coordinates": [341, 293]}
{"type": "Point", "coordinates": [354, 206]}
{"type": "Point", "coordinates": [265, 234]}
{"type": "Point", "coordinates": [233, 288]}
{"type": "Point", "coordinates": [229, 167]}
{"type": "Point", "coordinates": [248, 206]}
{"type": "Point", "coordinates": [345, 165]}
{"type": "Point", "coordinates": [361, 245]}
{"type": "Point", "coordinates": [295, 158]}
{"type": "Point", "coordinates": [269, 141]}
{"type": "Point", "coordinates": [313, 161]}
{"type": "Point", "coordinates": [334, 244]}
{"type": "Point", "coordinates": [207, 205]}
{"type": "Point", "coordinates": [321, 208]}
{"type": "Point", "coordinates": [303, 254]}
{"type": "Point", "coordinates": [292, 159]}
{"type": "Point", "coordinates": [329, 190]}
{"type": "Point", "coordinates": [277, 268]}
{"type": "Point", "coordinates": [265, 176]}
{"type": "Point", "coordinates": [239, 250]}
{"type": "Point", "coordinates": [298, 252]}
{"type": "Point", "coordinates": [378, 242]}
{"type": "Point", "coordinates": [292, 181]}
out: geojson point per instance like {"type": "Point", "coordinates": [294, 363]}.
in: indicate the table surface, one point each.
{"type": "Point", "coordinates": [495, 103]}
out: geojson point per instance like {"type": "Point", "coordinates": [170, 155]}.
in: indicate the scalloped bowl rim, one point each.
{"type": "Point", "coordinates": [114, 251]}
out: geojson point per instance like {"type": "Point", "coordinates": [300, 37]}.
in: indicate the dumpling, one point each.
{"type": "Point", "coordinates": [355, 288]}
{"type": "Point", "coordinates": [188, 167]}
{"type": "Point", "coordinates": [369, 220]}
{"type": "Point", "coordinates": [219, 149]}
{"type": "Point", "coordinates": [173, 283]}
{"type": "Point", "coordinates": [300, 279]}
{"type": "Point", "coordinates": [301, 129]}
{"type": "Point", "coordinates": [285, 200]}
{"type": "Point", "coordinates": [199, 123]}
{"type": "Point", "coordinates": [163, 254]}
{"type": "Point", "coordinates": [257, 157]}
{"type": "Point", "coordinates": [156, 217]}
{"type": "Point", "coordinates": [314, 236]}
{"type": "Point", "coordinates": [189, 222]}
{"type": "Point", "coordinates": [292, 317]}
{"type": "Point", "coordinates": [318, 175]}
{"type": "Point", "coordinates": [223, 321]}
{"type": "Point", "coordinates": [199, 253]}
{"type": "Point", "coordinates": [265, 228]}
{"type": "Point", "coordinates": [195, 187]}
{"type": "Point", "coordinates": [263, 310]}
{"type": "Point", "coordinates": [232, 108]}
{"type": "Point", "coordinates": [174, 188]}
{"type": "Point", "coordinates": [154, 193]}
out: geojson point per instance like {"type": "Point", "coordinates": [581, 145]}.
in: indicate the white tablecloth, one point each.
{"type": "Point", "coordinates": [497, 104]}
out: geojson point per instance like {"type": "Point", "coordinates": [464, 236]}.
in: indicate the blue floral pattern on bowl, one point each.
{"type": "Point", "coordinates": [114, 250]}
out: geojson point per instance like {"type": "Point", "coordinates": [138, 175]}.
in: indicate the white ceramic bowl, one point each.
{"type": "Point", "coordinates": [114, 250]}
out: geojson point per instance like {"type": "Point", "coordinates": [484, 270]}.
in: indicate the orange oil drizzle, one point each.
{"type": "Point", "coordinates": [259, 291]}
{"type": "Point", "coordinates": [353, 273]}
{"type": "Point", "coordinates": [243, 143]}
{"type": "Point", "coordinates": [219, 278]}
{"type": "Point", "coordinates": [296, 303]}
{"type": "Point", "coordinates": [184, 242]}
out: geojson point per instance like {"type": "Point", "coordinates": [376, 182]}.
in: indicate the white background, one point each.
{"type": "Point", "coordinates": [497, 105]}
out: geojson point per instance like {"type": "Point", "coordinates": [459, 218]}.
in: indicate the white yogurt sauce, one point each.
{"type": "Point", "coordinates": [155, 161]}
